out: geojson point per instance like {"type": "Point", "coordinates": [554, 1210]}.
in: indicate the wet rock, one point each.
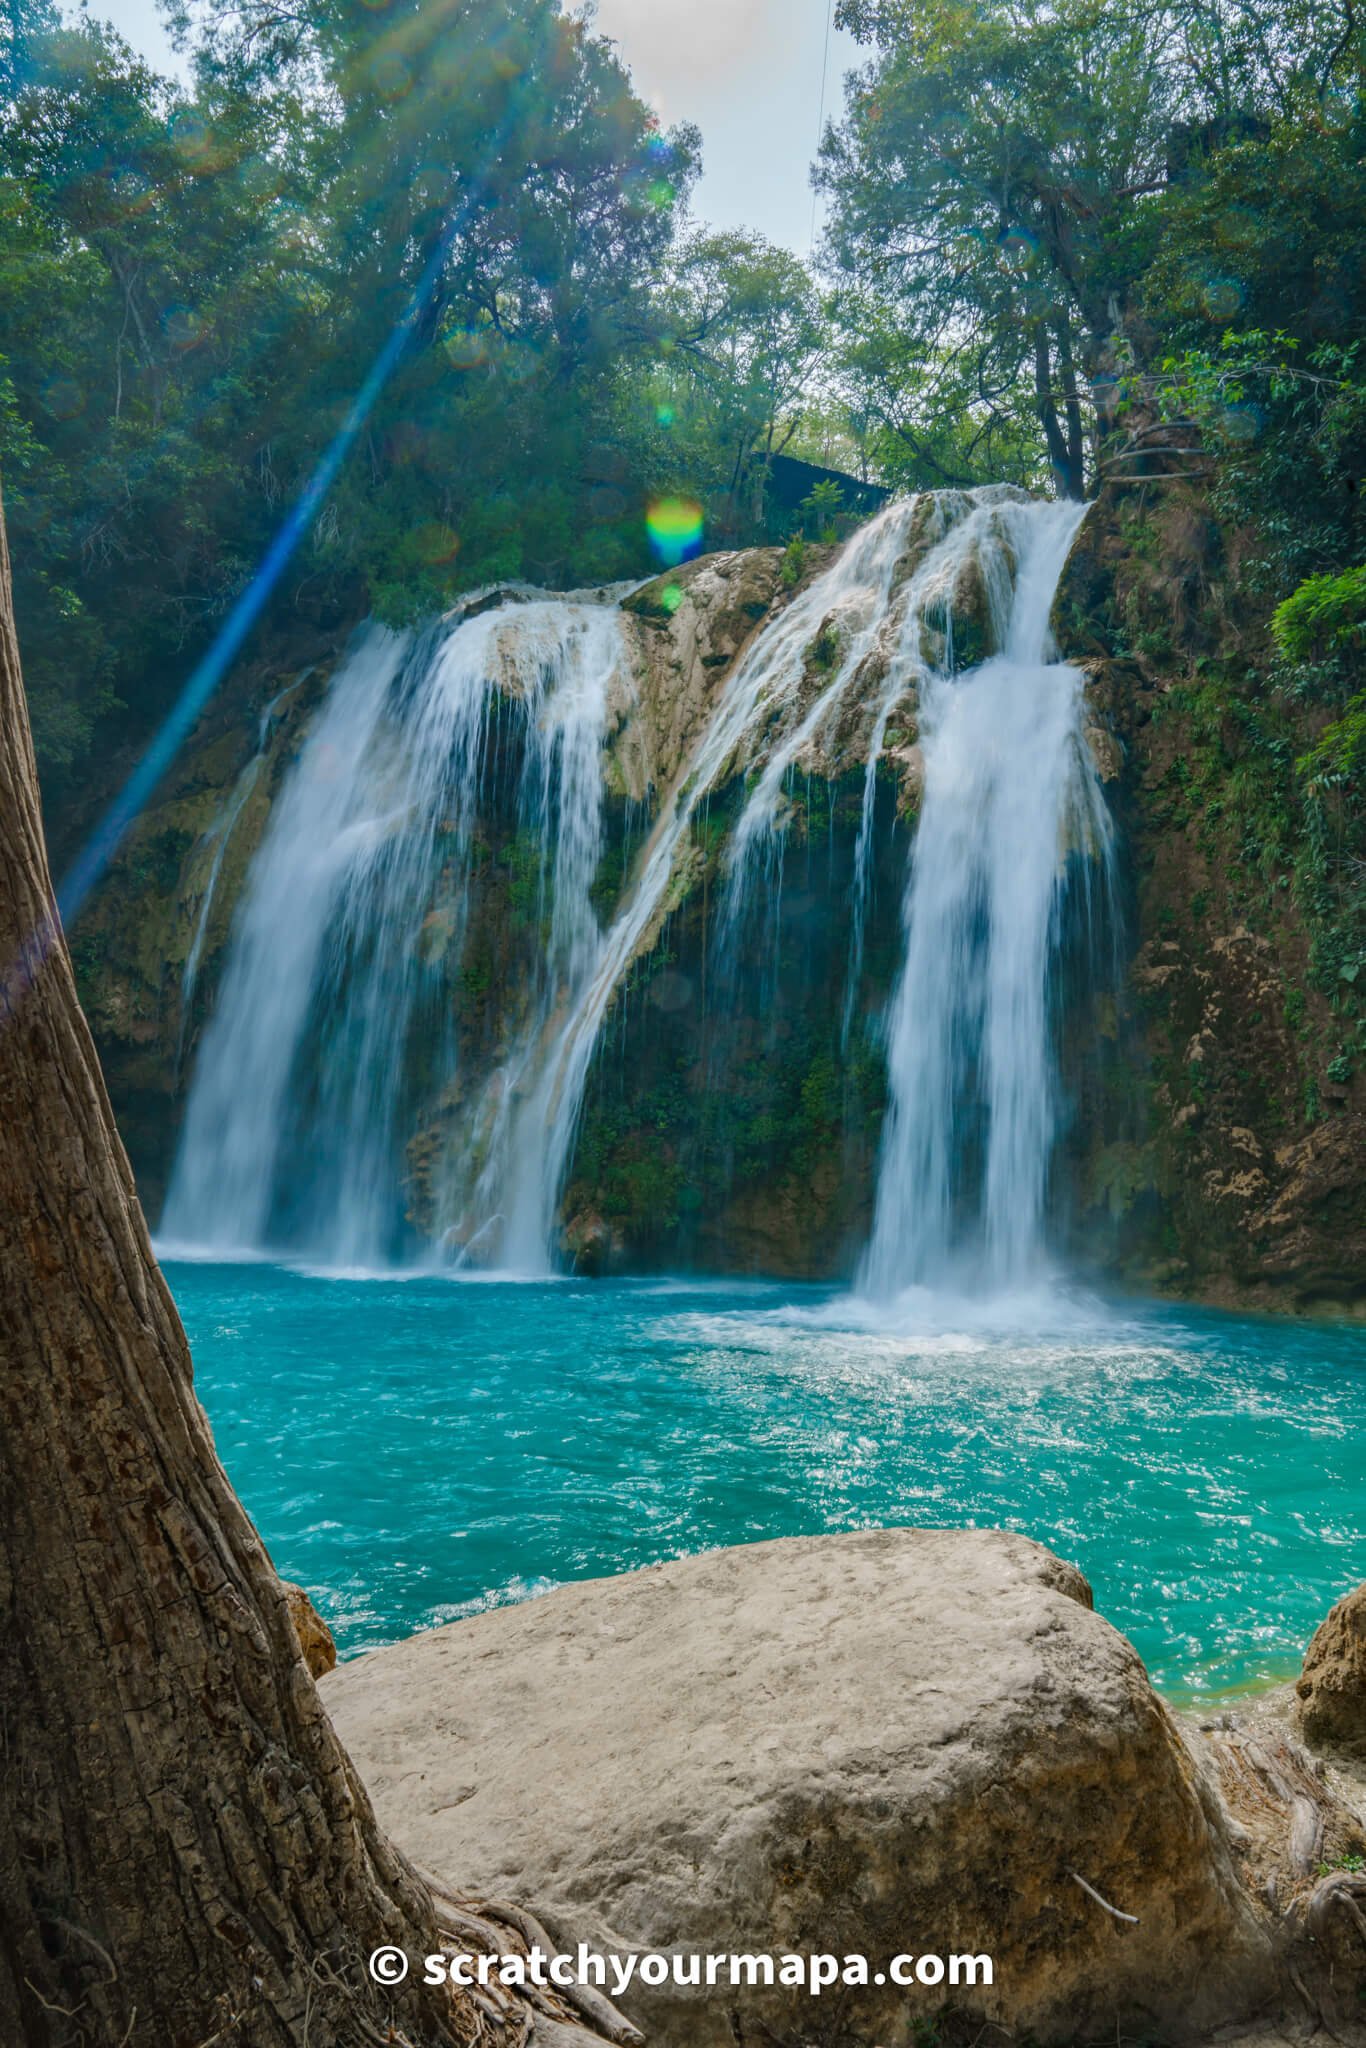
{"type": "Point", "coordinates": [590, 1244]}
{"type": "Point", "coordinates": [890, 1742]}
{"type": "Point", "coordinates": [686, 631]}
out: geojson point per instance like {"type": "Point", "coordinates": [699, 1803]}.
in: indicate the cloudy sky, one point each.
{"type": "Point", "coordinates": [748, 72]}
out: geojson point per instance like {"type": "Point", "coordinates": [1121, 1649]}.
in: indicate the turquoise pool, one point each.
{"type": "Point", "coordinates": [416, 1449]}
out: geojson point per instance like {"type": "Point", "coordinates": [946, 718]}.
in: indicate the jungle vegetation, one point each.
{"type": "Point", "coordinates": [1052, 230]}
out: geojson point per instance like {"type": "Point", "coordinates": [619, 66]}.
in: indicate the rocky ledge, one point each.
{"type": "Point", "coordinates": [892, 1741]}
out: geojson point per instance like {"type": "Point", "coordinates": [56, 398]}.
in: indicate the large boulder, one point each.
{"type": "Point", "coordinates": [1332, 1686]}
{"type": "Point", "coordinates": [890, 1742]}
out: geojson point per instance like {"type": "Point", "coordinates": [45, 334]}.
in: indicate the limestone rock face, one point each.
{"type": "Point", "coordinates": [315, 1637]}
{"type": "Point", "coordinates": [686, 631]}
{"type": "Point", "coordinates": [1332, 1686]}
{"type": "Point", "coordinates": [1252, 1190]}
{"type": "Point", "coordinates": [888, 1742]}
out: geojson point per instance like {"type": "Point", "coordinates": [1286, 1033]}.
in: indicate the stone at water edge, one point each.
{"type": "Point", "coordinates": [315, 1637]}
{"type": "Point", "coordinates": [889, 1741]}
{"type": "Point", "coordinates": [1331, 1688]}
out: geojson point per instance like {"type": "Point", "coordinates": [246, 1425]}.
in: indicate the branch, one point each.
{"type": "Point", "coordinates": [1337, 50]}
{"type": "Point", "coordinates": [1092, 1893]}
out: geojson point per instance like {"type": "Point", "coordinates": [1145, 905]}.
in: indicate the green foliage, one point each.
{"type": "Point", "coordinates": [1325, 613]}
{"type": "Point", "coordinates": [1339, 754]}
{"type": "Point", "coordinates": [821, 509]}
{"type": "Point", "coordinates": [743, 336]}
{"type": "Point", "coordinates": [195, 279]}
{"type": "Point", "coordinates": [1039, 213]}
{"type": "Point", "coordinates": [982, 189]}
{"type": "Point", "coordinates": [1110, 239]}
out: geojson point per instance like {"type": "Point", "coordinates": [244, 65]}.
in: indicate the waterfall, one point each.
{"type": "Point", "coordinates": [1012, 816]}
{"type": "Point", "coordinates": [884, 633]}
{"type": "Point", "coordinates": [343, 1103]}
{"type": "Point", "coordinates": [515, 1197]}
{"type": "Point", "coordinates": [219, 836]}
{"type": "Point", "coordinates": [338, 986]}
{"type": "Point", "coordinates": [759, 699]}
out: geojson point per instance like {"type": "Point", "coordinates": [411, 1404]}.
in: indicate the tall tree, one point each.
{"type": "Point", "coordinates": [998, 188]}
{"type": "Point", "coordinates": [186, 1854]}
{"type": "Point", "coordinates": [745, 336]}
{"type": "Point", "coordinates": [195, 278]}
{"type": "Point", "coordinates": [982, 189]}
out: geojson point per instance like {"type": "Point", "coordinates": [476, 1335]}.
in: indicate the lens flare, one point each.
{"type": "Point", "coordinates": [675, 528]}
{"type": "Point", "coordinates": [192, 141]}
{"type": "Point", "coordinates": [1241, 424]}
{"type": "Point", "coordinates": [131, 190]}
{"type": "Point", "coordinates": [258, 178]}
{"type": "Point", "coordinates": [390, 75]}
{"type": "Point", "coordinates": [1222, 298]}
{"type": "Point", "coordinates": [1019, 247]}
{"type": "Point", "coordinates": [434, 543]}
{"type": "Point", "coordinates": [95, 856]}
{"type": "Point", "coordinates": [466, 348]}
{"type": "Point", "coordinates": [183, 328]}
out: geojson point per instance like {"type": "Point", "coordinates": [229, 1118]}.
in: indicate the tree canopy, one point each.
{"type": "Point", "coordinates": [1048, 224]}
{"type": "Point", "coordinates": [1016, 186]}
{"type": "Point", "coordinates": [196, 280]}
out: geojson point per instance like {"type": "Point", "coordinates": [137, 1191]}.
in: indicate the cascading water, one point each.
{"type": "Point", "coordinates": [353, 922]}
{"type": "Point", "coordinates": [219, 836]}
{"type": "Point", "coordinates": [759, 698]}
{"type": "Point", "coordinates": [882, 662]}
{"type": "Point", "coordinates": [513, 1199]}
{"type": "Point", "coordinates": [1012, 812]}
{"type": "Point", "coordinates": [337, 1031]}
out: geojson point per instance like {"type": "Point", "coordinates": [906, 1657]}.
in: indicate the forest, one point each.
{"type": "Point", "coordinates": [1048, 229]}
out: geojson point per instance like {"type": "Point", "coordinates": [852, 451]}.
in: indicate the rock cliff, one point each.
{"type": "Point", "coordinates": [1216, 1140]}
{"type": "Point", "coordinates": [1237, 1170]}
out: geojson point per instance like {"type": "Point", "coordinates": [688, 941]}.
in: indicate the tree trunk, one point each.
{"type": "Point", "coordinates": [1066, 451]}
{"type": "Point", "coordinates": [1076, 431]}
{"type": "Point", "coordinates": [186, 1854]}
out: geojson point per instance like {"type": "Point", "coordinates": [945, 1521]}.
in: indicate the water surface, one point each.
{"type": "Point", "coordinates": [416, 1449]}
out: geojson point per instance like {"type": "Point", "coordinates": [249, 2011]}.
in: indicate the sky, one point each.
{"type": "Point", "coordinates": [748, 72]}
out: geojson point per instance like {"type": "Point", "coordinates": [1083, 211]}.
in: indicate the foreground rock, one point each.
{"type": "Point", "coordinates": [893, 1741]}
{"type": "Point", "coordinates": [1332, 1686]}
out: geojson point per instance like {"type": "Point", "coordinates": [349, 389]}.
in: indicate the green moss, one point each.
{"type": "Point", "coordinates": [1119, 1174]}
{"type": "Point", "coordinates": [824, 652]}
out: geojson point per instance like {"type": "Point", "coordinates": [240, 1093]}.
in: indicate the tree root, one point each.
{"type": "Point", "coordinates": [549, 2016]}
{"type": "Point", "coordinates": [1341, 1891]}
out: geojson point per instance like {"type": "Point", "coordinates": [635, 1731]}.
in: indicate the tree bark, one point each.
{"type": "Point", "coordinates": [186, 1854]}
{"type": "Point", "coordinates": [1066, 451]}
{"type": "Point", "coordinates": [1076, 431]}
